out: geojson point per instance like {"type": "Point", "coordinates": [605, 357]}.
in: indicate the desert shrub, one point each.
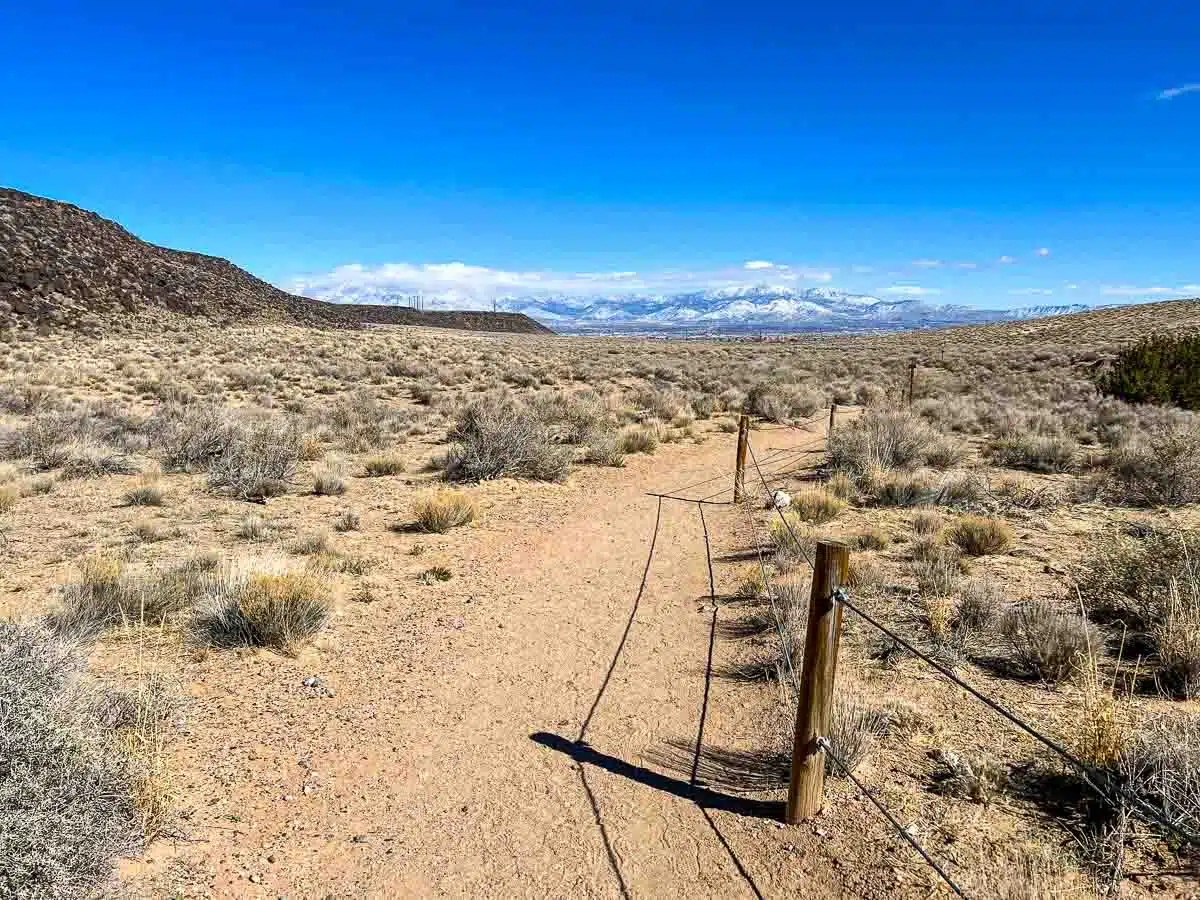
{"type": "Point", "coordinates": [880, 439]}
{"type": "Point", "coordinates": [979, 605]}
{"type": "Point", "coordinates": [659, 404]}
{"type": "Point", "coordinates": [1176, 638]}
{"type": "Point", "coordinates": [945, 453]}
{"type": "Point", "coordinates": [781, 402]}
{"type": "Point", "coordinates": [1035, 452]}
{"type": "Point", "coordinates": [259, 462]}
{"type": "Point", "coordinates": [1158, 469]}
{"type": "Point", "coordinates": [816, 505]}
{"type": "Point", "coordinates": [9, 495]}
{"type": "Point", "coordinates": [980, 536]}
{"type": "Point", "coordinates": [873, 539]}
{"type": "Point", "coordinates": [440, 510]}
{"type": "Point", "coordinates": [704, 406]}
{"type": "Point", "coordinates": [280, 610]}
{"type": "Point", "coordinates": [1161, 762]}
{"type": "Point", "coordinates": [310, 544]}
{"type": "Point", "coordinates": [1162, 369]}
{"type": "Point", "coordinates": [384, 464]}
{"type": "Point", "coordinates": [605, 450]}
{"type": "Point", "coordinates": [89, 460]}
{"type": "Point", "coordinates": [497, 437]}
{"type": "Point", "coordinates": [145, 493]}
{"type": "Point", "coordinates": [960, 489]}
{"type": "Point", "coordinates": [840, 484]}
{"type": "Point", "coordinates": [1129, 579]}
{"type": "Point", "coordinates": [347, 520]}
{"type": "Point", "coordinates": [864, 574]}
{"type": "Point", "coordinates": [191, 437]}
{"type": "Point", "coordinates": [101, 596]}
{"type": "Point", "coordinates": [937, 568]}
{"type": "Point", "coordinates": [328, 482]}
{"type": "Point", "coordinates": [902, 489]}
{"type": "Point", "coordinates": [575, 418]}
{"type": "Point", "coordinates": [253, 528]}
{"type": "Point", "coordinates": [927, 522]}
{"type": "Point", "coordinates": [639, 439]}
{"type": "Point", "coordinates": [969, 777]}
{"type": "Point", "coordinates": [1047, 642]}
{"type": "Point", "coordinates": [360, 422]}
{"type": "Point", "coordinates": [67, 801]}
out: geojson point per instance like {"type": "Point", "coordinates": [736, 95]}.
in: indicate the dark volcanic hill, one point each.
{"type": "Point", "coordinates": [65, 266]}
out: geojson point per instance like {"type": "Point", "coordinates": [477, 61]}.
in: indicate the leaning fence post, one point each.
{"type": "Point", "coordinates": [912, 381]}
{"type": "Point", "coordinates": [806, 793]}
{"type": "Point", "coordinates": [739, 472]}
{"type": "Point", "coordinates": [832, 418]}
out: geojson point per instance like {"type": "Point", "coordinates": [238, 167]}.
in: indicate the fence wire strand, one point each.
{"type": "Point", "coordinates": [825, 745]}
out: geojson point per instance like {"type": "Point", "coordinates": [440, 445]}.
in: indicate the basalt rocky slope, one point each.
{"type": "Point", "coordinates": [62, 266]}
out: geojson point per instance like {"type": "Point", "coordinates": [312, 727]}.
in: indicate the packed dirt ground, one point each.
{"type": "Point", "coordinates": [347, 603]}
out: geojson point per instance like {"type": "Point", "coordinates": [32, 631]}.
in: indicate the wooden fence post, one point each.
{"type": "Point", "coordinates": [739, 472]}
{"type": "Point", "coordinates": [912, 380]}
{"type": "Point", "coordinates": [806, 793]}
{"type": "Point", "coordinates": [832, 418]}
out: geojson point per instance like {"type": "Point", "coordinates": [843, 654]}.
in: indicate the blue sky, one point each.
{"type": "Point", "coordinates": [984, 153]}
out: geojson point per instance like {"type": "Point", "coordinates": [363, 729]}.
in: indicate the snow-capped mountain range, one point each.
{"type": "Point", "coordinates": [747, 307]}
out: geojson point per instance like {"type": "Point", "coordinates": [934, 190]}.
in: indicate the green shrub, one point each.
{"type": "Point", "coordinates": [1162, 369]}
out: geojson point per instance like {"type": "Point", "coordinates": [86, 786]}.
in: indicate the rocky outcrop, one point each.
{"type": "Point", "coordinates": [62, 266]}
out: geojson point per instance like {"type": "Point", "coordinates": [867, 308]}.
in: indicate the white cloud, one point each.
{"type": "Point", "coordinates": [1071, 286]}
{"type": "Point", "coordinates": [967, 265]}
{"type": "Point", "coordinates": [1172, 93]}
{"type": "Point", "coordinates": [927, 263]}
{"type": "Point", "coordinates": [1043, 251]}
{"type": "Point", "coordinates": [1006, 259]}
{"type": "Point", "coordinates": [862, 270]}
{"type": "Point", "coordinates": [1027, 291]}
{"type": "Point", "coordinates": [758, 264]}
{"type": "Point", "coordinates": [1191, 288]}
{"type": "Point", "coordinates": [910, 290]}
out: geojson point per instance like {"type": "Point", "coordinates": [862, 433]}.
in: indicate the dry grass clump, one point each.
{"type": "Point", "coordinates": [9, 495]}
{"type": "Point", "coordinates": [854, 728]}
{"type": "Point", "coordinates": [497, 437]}
{"type": "Point", "coordinates": [310, 544]}
{"type": "Point", "coordinates": [980, 536]}
{"type": "Point", "coordinates": [104, 594]}
{"type": "Point", "coordinates": [253, 528]}
{"type": "Point", "coordinates": [68, 803]}
{"type": "Point", "coordinates": [927, 522]}
{"type": "Point", "coordinates": [1161, 762]}
{"type": "Point", "coordinates": [639, 439]}
{"type": "Point", "coordinates": [605, 449]}
{"type": "Point", "coordinates": [146, 492]}
{"type": "Point", "coordinates": [347, 520]}
{"type": "Point", "coordinates": [816, 505]}
{"type": "Point", "coordinates": [945, 453]}
{"type": "Point", "coordinates": [440, 510]}
{"type": "Point", "coordinates": [359, 422]}
{"type": "Point", "coordinates": [1035, 452]}
{"type": "Point", "coordinates": [969, 776]}
{"type": "Point", "coordinates": [384, 464]}
{"type": "Point", "coordinates": [1048, 643]}
{"type": "Point", "coordinates": [873, 538]}
{"type": "Point", "coordinates": [259, 462]}
{"type": "Point", "coordinates": [329, 482]}
{"type": "Point", "coordinates": [900, 488]}
{"type": "Point", "coordinates": [840, 484]}
{"type": "Point", "coordinates": [279, 610]}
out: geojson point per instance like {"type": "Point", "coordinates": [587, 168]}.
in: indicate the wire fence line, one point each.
{"type": "Point", "coordinates": [1108, 788]}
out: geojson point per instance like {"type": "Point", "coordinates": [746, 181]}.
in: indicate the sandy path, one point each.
{"type": "Point", "coordinates": [421, 776]}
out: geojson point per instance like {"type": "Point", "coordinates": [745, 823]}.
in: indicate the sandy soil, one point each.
{"type": "Point", "coordinates": [444, 762]}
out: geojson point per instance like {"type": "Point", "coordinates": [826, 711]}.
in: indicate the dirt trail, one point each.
{"type": "Point", "coordinates": [443, 763]}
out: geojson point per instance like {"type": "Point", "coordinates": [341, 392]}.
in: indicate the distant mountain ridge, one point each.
{"type": "Point", "coordinates": [727, 309]}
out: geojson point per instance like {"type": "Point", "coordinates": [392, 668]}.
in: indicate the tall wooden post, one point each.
{"type": "Point", "coordinates": [912, 381]}
{"type": "Point", "coordinates": [832, 419]}
{"type": "Point", "coordinates": [806, 793]}
{"type": "Point", "coordinates": [739, 472]}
